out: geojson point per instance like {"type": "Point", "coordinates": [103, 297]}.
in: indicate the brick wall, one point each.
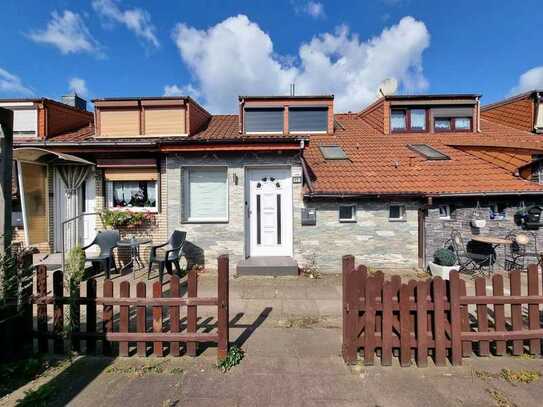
{"type": "Point", "coordinates": [62, 118]}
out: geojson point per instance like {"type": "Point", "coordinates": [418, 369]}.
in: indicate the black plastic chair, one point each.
{"type": "Point", "coordinates": [172, 252]}
{"type": "Point", "coordinates": [107, 241]}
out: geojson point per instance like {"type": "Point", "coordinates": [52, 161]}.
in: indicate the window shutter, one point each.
{"type": "Point", "coordinates": [207, 194]}
{"type": "Point", "coordinates": [263, 120]}
{"type": "Point", "coordinates": [308, 119]}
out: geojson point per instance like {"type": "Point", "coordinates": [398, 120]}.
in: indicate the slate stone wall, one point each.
{"type": "Point", "coordinates": [438, 231]}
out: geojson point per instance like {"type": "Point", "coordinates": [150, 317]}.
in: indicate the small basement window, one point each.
{"type": "Point", "coordinates": [333, 152]}
{"type": "Point", "coordinates": [428, 152]}
{"type": "Point", "coordinates": [347, 213]}
{"type": "Point", "coordinates": [396, 212]}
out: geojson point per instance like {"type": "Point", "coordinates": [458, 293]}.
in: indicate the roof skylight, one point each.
{"type": "Point", "coordinates": [428, 152]}
{"type": "Point", "coordinates": [333, 152]}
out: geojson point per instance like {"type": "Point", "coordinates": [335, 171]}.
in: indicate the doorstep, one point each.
{"type": "Point", "coordinates": [268, 266]}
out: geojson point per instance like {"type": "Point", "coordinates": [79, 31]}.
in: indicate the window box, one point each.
{"type": "Point", "coordinates": [205, 195]}
{"type": "Point", "coordinates": [347, 213]}
{"type": "Point", "coordinates": [397, 213]}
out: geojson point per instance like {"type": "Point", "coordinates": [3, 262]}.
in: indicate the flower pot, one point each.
{"type": "Point", "coordinates": [437, 270]}
{"type": "Point", "coordinates": [478, 223]}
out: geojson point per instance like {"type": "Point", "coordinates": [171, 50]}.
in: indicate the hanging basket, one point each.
{"type": "Point", "coordinates": [477, 220]}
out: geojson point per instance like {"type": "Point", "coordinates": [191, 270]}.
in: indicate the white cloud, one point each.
{"type": "Point", "coordinates": [235, 57]}
{"type": "Point", "coordinates": [175, 90]}
{"type": "Point", "coordinates": [79, 86]}
{"type": "Point", "coordinates": [529, 80]}
{"type": "Point", "coordinates": [314, 9]}
{"type": "Point", "coordinates": [67, 32]}
{"type": "Point", "coordinates": [136, 20]}
{"type": "Point", "coordinates": [11, 85]}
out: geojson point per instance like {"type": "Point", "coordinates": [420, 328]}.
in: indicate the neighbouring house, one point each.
{"type": "Point", "coordinates": [36, 122]}
{"type": "Point", "coordinates": [288, 181]}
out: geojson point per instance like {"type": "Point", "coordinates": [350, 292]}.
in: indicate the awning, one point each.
{"type": "Point", "coordinates": [41, 155]}
{"type": "Point", "coordinates": [131, 174]}
{"type": "Point", "coordinates": [126, 163]}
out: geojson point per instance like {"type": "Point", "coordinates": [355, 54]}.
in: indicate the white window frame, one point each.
{"type": "Point", "coordinates": [352, 219]}
{"type": "Point", "coordinates": [185, 210]}
{"type": "Point", "coordinates": [109, 199]}
{"type": "Point", "coordinates": [403, 213]}
{"type": "Point", "coordinates": [447, 211]}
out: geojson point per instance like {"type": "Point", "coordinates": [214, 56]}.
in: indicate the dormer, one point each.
{"type": "Point", "coordinates": [523, 112]}
{"type": "Point", "coordinates": [286, 115]}
{"type": "Point", "coordinates": [148, 117]}
{"type": "Point", "coordinates": [403, 114]}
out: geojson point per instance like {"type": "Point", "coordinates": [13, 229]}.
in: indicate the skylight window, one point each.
{"type": "Point", "coordinates": [428, 152]}
{"type": "Point", "coordinates": [333, 153]}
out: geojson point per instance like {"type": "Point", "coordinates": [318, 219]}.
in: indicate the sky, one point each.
{"type": "Point", "coordinates": [216, 50]}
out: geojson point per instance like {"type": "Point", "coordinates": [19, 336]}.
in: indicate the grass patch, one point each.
{"type": "Point", "coordinates": [500, 398]}
{"type": "Point", "coordinates": [16, 374]}
{"type": "Point", "coordinates": [520, 376]}
{"type": "Point", "coordinates": [525, 356]}
{"type": "Point", "coordinates": [39, 397]}
{"type": "Point", "coordinates": [139, 371]}
{"type": "Point", "coordinates": [233, 358]}
{"type": "Point", "coordinates": [483, 374]}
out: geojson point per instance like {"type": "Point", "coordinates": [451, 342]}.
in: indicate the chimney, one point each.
{"type": "Point", "coordinates": [74, 100]}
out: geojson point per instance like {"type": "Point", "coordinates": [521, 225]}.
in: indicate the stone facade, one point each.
{"type": "Point", "coordinates": [438, 231]}
{"type": "Point", "coordinates": [373, 239]}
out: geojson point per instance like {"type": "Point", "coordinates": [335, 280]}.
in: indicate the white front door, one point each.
{"type": "Point", "coordinates": [270, 212]}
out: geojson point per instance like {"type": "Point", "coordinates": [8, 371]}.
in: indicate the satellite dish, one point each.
{"type": "Point", "coordinates": [387, 87]}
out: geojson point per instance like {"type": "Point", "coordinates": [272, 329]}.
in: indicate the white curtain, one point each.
{"type": "Point", "coordinates": [73, 176]}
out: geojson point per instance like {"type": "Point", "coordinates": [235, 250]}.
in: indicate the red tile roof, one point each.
{"type": "Point", "coordinates": [383, 164]}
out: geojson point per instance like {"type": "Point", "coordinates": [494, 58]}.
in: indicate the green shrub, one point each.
{"type": "Point", "coordinates": [444, 257]}
{"type": "Point", "coordinates": [233, 358]}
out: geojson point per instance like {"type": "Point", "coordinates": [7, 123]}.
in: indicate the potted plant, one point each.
{"type": "Point", "coordinates": [444, 262]}
{"type": "Point", "coordinates": [477, 221]}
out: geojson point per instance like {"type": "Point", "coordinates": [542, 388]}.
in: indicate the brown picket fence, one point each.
{"type": "Point", "coordinates": [116, 326]}
{"type": "Point", "coordinates": [419, 319]}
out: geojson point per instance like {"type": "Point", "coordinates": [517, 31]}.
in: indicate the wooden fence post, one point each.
{"type": "Point", "coordinates": [141, 318]}
{"type": "Point", "coordinates": [41, 282]}
{"type": "Point", "coordinates": [349, 320]}
{"type": "Point", "coordinates": [75, 317]}
{"type": "Point", "coordinates": [422, 324]}
{"type": "Point", "coordinates": [405, 326]}
{"type": "Point", "coordinates": [386, 332]}
{"type": "Point", "coordinates": [372, 286]}
{"type": "Point", "coordinates": [123, 317]}
{"type": "Point", "coordinates": [192, 311]}
{"type": "Point", "coordinates": [107, 318]}
{"type": "Point", "coordinates": [516, 312]}
{"type": "Point", "coordinates": [467, 347]}
{"type": "Point", "coordinates": [26, 299]}
{"type": "Point", "coordinates": [499, 313]}
{"type": "Point", "coordinates": [456, 319]}
{"type": "Point", "coordinates": [91, 316]}
{"type": "Point", "coordinates": [482, 315]}
{"type": "Point", "coordinates": [440, 350]}
{"type": "Point", "coordinates": [158, 349]}
{"type": "Point", "coordinates": [533, 309]}
{"type": "Point", "coordinates": [58, 312]}
{"type": "Point", "coordinates": [223, 301]}
{"type": "Point", "coordinates": [174, 314]}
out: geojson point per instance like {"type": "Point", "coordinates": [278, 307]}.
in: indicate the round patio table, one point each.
{"type": "Point", "coordinates": [134, 245]}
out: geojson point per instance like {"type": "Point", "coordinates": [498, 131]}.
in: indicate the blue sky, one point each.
{"type": "Point", "coordinates": [215, 50]}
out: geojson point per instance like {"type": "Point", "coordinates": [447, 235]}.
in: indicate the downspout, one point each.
{"type": "Point", "coordinates": [240, 118]}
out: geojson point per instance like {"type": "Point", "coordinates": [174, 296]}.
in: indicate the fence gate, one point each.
{"type": "Point", "coordinates": [431, 318]}
{"type": "Point", "coordinates": [164, 331]}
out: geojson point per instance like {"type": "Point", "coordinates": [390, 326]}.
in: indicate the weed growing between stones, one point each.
{"type": "Point", "coordinates": [520, 376]}
{"type": "Point", "coordinates": [233, 358]}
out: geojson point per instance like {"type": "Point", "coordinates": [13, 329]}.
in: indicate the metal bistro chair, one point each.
{"type": "Point", "coordinates": [524, 246]}
{"type": "Point", "coordinates": [474, 258]}
{"type": "Point", "coordinates": [172, 253]}
{"type": "Point", "coordinates": [107, 241]}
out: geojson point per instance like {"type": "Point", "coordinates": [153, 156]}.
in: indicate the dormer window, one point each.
{"type": "Point", "coordinates": [308, 119]}
{"type": "Point", "coordinates": [263, 119]}
{"type": "Point", "coordinates": [452, 124]}
{"type": "Point", "coordinates": [412, 120]}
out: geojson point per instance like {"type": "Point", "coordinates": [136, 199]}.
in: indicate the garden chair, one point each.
{"type": "Point", "coordinates": [170, 254]}
{"type": "Point", "coordinates": [523, 248]}
{"type": "Point", "coordinates": [107, 241]}
{"type": "Point", "coordinates": [470, 261]}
